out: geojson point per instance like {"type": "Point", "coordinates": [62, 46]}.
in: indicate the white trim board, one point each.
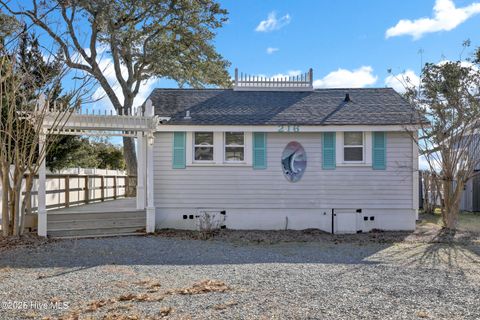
{"type": "Point", "coordinates": [283, 128]}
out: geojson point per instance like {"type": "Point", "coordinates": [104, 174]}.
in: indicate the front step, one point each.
{"type": "Point", "coordinates": [106, 235]}
{"type": "Point", "coordinates": [95, 232]}
{"type": "Point", "coordinates": [95, 215]}
{"type": "Point", "coordinates": [96, 223]}
{"type": "Point", "coordinates": [76, 225]}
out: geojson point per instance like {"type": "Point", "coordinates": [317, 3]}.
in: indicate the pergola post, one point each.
{"type": "Point", "coordinates": [41, 191]}
{"type": "Point", "coordinates": [150, 193]}
{"type": "Point", "coordinates": [149, 142]}
{"type": "Point", "coordinates": [140, 171]}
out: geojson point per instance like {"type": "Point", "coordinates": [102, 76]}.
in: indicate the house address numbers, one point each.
{"type": "Point", "coordinates": [289, 128]}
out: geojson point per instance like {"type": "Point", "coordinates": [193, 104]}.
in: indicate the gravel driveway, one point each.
{"type": "Point", "coordinates": [154, 277]}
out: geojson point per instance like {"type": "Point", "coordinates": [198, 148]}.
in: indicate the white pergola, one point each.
{"type": "Point", "coordinates": [141, 125]}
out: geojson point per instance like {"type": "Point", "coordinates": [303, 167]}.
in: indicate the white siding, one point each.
{"type": "Point", "coordinates": [244, 192]}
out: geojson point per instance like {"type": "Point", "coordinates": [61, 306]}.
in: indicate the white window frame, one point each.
{"type": "Point", "coordinates": [354, 146]}
{"type": "Point", "coordinates": [204, 146]}
{"type": "Point", "coordinates": [367, 150]}
{"type": "Point", "coordinates": [225, 145]}
{"type": "Point", "coordinates": [219, 150]}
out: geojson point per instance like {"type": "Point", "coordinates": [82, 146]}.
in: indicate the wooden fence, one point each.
{"type": "Point", "coordinates": [66, 190]}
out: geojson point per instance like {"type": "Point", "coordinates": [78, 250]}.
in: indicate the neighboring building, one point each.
{"type": "Point", "coordinates": [471, 194]}
{"type": "Point", "coordinates": [278, 154]}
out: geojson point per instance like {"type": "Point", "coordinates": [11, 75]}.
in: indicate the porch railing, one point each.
{"type": "Point", "coordinates": [66, 190]}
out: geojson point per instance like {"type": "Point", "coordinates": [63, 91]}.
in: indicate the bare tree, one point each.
{"type": "Point", "coordinates": [448, 101]}
{"type": "Point", "coordinates": [430, 192]}
{"type": "Point", "coordinates": [144, 39]}
{"type": "Point", "coordinates": [22, 113]}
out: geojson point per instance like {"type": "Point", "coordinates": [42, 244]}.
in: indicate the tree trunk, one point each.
{"type": "Point", "coordinates": [17, 207]}
{"type": "Point", "coordinates": [450, 216]}
{"type": "Point", "coordinates": [11, 209]}
{"type": "Point", "coordinates": [451, 205]}
{"type": "Point", "coordinates": [26, 202]}
{"type": "Point", "coordinates": [16, 199]}
{"type": "Point", "coordinates": [130, 161]}
{"type": "Point", "coordinates": [5, 215]}
{"type": "Point", "coordinates": [426, 191]}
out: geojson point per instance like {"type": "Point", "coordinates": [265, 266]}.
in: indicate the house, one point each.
{"type": "Point", "coordinates": [278, 154]}
{"type": "Point", "coordinates": [266, 154]}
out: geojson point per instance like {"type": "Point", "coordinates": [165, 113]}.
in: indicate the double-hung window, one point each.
{"type": "Point", "coordinates": [203, 146]}
{"type": "Point", "coordinates": [234, 147]}
{"type": "Point", "coordinates": [353, 147]}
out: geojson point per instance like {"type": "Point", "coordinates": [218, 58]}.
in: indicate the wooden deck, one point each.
{"type": "Point", "coordinates": [109, 218]}
{"type": "Point", "coordinates": [112, 206]}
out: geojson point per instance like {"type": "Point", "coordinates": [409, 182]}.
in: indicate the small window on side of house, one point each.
{"type": "Point", "coordinates": [353, 147]}
{"type": "Point", "coordinates": [234, 147]}
{"type": "Point", "coordinates": [203, 146]}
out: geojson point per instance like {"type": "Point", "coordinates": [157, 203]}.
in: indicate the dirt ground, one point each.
{"type": "Point", "coordinates": [308, 274]}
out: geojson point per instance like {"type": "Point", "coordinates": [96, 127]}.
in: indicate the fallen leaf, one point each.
{"type": "Point", "coordinates": [94, 305]}
{"type": "Point", "coordinates": [126, 297]}
{"type": "Point", "coordinates": [223, 306]}
{"type": "Point", "coordinates": [205, 286]}
{"type": "Point", "coordinates": [422, 314]}
{"type": "Point", "coordinates": [55, 299]}
{"type": "Point", "coordinates": [31, 315]}
{"type": "Point", "coordinates": [165, 311]}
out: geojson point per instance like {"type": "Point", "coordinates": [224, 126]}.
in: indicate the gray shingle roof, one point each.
{"type": "Point", "coordinates": [368, 106]}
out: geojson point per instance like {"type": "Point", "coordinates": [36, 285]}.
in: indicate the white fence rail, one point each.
{"type": "Point", "coordinates": [69, 189]}
{"type": "Point", "coordinates": [78, 186]}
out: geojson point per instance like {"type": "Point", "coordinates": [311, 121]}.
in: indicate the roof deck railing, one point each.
{"type": "Point", "coordinates": [245, 82]}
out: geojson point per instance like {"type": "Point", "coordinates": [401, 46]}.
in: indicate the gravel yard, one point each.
{"type": "Point", "coordinates": [232, 276]}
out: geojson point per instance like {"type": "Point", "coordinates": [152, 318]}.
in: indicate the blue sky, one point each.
{"type": "Point", "coordinates": [349, 35]}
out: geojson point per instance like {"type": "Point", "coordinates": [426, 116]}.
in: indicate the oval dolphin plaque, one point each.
{"type": "Point", "coordinates": [294, 161]}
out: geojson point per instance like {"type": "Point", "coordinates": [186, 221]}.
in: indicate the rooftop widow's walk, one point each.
{"type": "Point", "coordinates": [245, 82]}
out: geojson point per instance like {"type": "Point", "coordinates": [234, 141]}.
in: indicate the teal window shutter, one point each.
{"type": "Point", "coordinates": [259, 150]}
{"type": "Point", "coordinates": [179, 155]}
{"type": "Point", "coordinates": [328, 151]}
{"type": "Point", "coordinates": [379, 150]}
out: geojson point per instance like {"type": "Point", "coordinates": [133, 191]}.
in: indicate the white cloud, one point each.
{"type": "Point", "coordinates": [290, 73]}
{"type": "Point", "coordinates": [271, 50]}
{"type": "Point", "coordinates": [272, 23]}
{"type": "Point", "coordinates": [446, 17]}
{"type": "Point", "coordinates": [463, 63]}
{"type": "Point", "coordinates": [343, 78]}
{"type": "Point", "coordinates": [400, 82]}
